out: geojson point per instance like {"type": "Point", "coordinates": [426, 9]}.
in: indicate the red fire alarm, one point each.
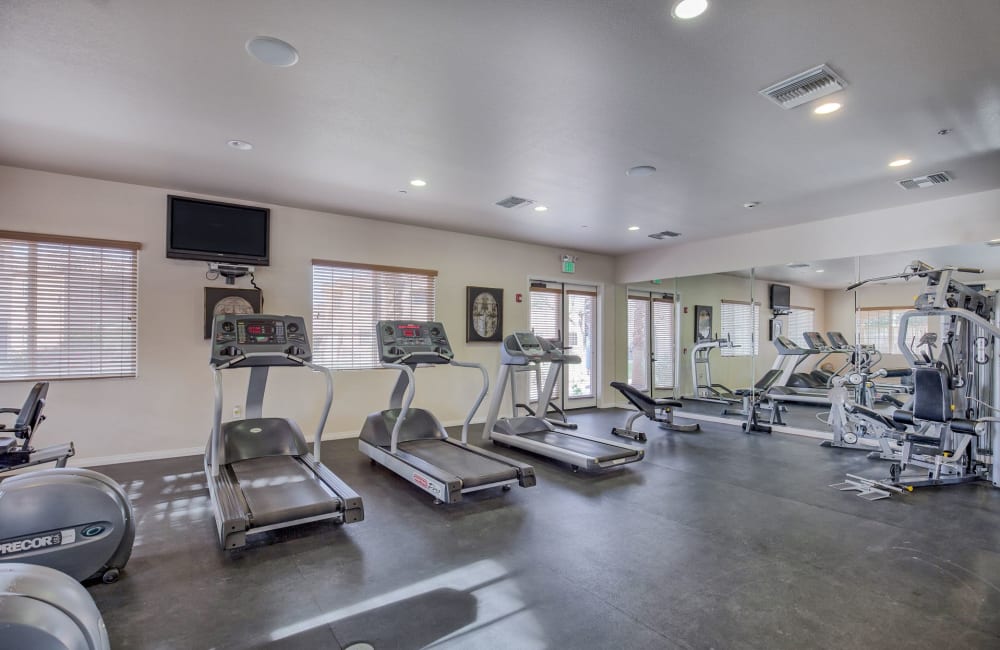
{"type": "Point", "coordinates": [518, 297]}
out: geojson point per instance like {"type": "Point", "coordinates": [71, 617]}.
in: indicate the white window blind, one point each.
{"type": "Point", "coordinates": [546, 320]}
{"type": "Point", "coordinates": [663, 342]}
{"type": "Point", "coordinates": [68, 307]}
{"type": "Point", "coordinates": [800, 321]}
{"type": "Point", "coordinates": [741, 321]}
{"type": "Point", "coordinates": [879, 326]}
{"type": "Point", "coordinates": [638, 342]}
{"type": "Point", "coordinates": [348, 299]}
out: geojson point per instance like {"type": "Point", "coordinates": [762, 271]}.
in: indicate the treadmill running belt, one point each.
{"type": "Point", "coordinates": [473, 469]}
{"type": "Point", "coordinates": [598, 450]}
{"type": "Point", "coordinates": [280, 488]}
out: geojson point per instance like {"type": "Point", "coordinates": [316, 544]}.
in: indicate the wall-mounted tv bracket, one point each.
{"type": "Point", "coordinates": [230, 271]}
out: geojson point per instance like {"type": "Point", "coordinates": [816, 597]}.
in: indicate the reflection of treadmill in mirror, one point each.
{"type": "Point", "coordinates": [411, 441]}
{"type": "Point", "coordinates": [261, 475]}
{"type": "Point", "coordinates": [789, 357]}
{"type": "Point", "coordinates": [535, 434]}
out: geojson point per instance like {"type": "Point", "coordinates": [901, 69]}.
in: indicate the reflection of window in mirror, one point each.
{"type": "Point", "coordinates": [741, 321]}
{"type": "Point", "coordinates": [800, 321]}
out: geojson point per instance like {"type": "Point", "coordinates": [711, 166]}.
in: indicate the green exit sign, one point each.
{"type": "Point", "coordinates": [568, 264]}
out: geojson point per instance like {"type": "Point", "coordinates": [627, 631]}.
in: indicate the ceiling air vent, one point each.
{"type": "Point", "coordinates": [664, 235]}
{"type": "Point", "coordinates": [513, 202]}
{"type": "Point", "coordinates": [804, 87]}
{"type": "Point", "coordinates": [924, 181]}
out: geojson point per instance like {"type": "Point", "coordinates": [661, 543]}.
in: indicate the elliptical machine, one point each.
{"type": "Point", "coordinates": [74, 520]}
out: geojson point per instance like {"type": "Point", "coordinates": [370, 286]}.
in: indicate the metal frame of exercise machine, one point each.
{"type": "Point", "coordinates": [411, 442]}
{"type": "Point", "coordinates": [536, 434]}
{"type": "Point", "coordinates": [659, 410]}
{"type": "Point", "coordinates": [955, 395]}
{"type": "Point", "coordinates": [261, 475]}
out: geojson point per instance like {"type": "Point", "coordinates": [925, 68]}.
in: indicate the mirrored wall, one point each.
{"type": "Point", "coordinates": [788, 328]}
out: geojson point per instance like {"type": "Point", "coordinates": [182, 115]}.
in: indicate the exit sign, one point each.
{"type": "Point", "coordinates": [568, 264]}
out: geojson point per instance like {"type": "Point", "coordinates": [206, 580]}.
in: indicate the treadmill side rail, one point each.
{"type": "Point", "coordinates": [353, 509]}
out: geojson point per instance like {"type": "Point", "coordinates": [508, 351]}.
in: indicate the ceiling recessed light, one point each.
{"type": "Point", "coordinates": [826, 108]}
{"type": "Point", "coordinates": [751, 205]}
{"type": "Point", "coordinates": [688, 9]}
{"type": "Point", "coordinates": [540, 208]}
{"type": "Point", "coordinates": [240, 144]}
{"type": "Point", "coordinates": [819, 270]}
{"type": "Point", "coordinates": [899, 162]}
{"type": "Point", "coordinates": [993, 242]}
{"type": "Point", "coordinates": [272, 51]}
{"type": "Point", "coordinates": [416, 182]}
{"type": "Point", "coordinates": [633, 227]}
{"type": "Point", "coordinates": [640, 170]}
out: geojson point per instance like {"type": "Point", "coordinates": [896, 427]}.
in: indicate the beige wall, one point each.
{"type": "Point", "coordinates": [168, 407]}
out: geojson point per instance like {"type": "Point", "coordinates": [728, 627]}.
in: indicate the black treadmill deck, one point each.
{"type": "Point", "coordinates": [472, 468]}
{"type": "Point", "coordinates": [598, 450]}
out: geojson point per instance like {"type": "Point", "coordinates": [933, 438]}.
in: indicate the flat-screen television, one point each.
{"type": "Point", "coordinates": [217, 232]}
{"type": "Point", "coordinates": [781, 297]}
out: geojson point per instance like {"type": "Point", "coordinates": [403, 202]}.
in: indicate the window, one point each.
{"type": "Point", "coordinates": [663, 342]}
{"type": "Point", "coordinates": [740, 321]}
{"type": "Point", "coordinates": [348, 299]}
{"type": "Point", "coordinates": [800, 321]}
{"type": "Point", "coordinates": [68, 307]}
{"type": "Point", "coordinates": [879, 326]}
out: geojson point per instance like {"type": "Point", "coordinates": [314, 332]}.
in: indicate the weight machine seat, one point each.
{"type": "Point", "coordinates": [473, 469]}
{"type": "Point", "coordinates": [643, 402]}
{"type": "Point", "coordinates": [763, 384]}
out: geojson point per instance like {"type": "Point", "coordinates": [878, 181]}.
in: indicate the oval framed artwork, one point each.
{"type": "Point", "coordinates": [484, 314]}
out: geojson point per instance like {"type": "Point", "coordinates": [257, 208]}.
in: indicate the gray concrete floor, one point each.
{"type": "Point", "coordinates": [717, 540]}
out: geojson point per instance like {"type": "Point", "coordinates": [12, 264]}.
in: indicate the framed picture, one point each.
{"type": "Point", "coordinates": [702, 323]}
{"type": "Point", "coordinates": [226, 300]}
{"type": "Point", "coordinates": [484, 314]}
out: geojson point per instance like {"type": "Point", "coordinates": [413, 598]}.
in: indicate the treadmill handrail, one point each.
{"type": "Point", "coordinates": [216, 440]}
{"type": "Point", "coordinates": [247, 355]}
{"type": "Point", "coordinates": [328, 375]}
{"type": "Point", "coordinates": [479, 400]}
{"type": "Point", "coordinates": [407, 400]}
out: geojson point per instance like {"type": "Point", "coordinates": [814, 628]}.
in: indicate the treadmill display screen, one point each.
{"type": "Point", "coordinates": [409, 331]}
{"type": "Point", "coordinates": [260, 331]}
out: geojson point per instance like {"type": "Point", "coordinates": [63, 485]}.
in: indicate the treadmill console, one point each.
{"type": "Point", "coordinates": [234, 335]}
{"type": "Point", "coordinates": [814, 340]}
{"type": "Point", "coordinates": [412, 342]}
{"type": "Point", "coordinates": [555, 353]}
{"type": "Point", "coordinates": [838, 340]}
{"type": "Point", "coordinates": [520, 349]}
{"type": "Point", "coordinates": [787, 346]}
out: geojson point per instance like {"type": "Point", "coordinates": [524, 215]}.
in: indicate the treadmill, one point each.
{"type": "Point", "coordinates": [411, 441]}
{"type": "Point", "coordinates": [789, 357]}
{"type": "Point", "coordinates": [261, 475]}
{"type": "Point", "coordinates": [522, 351]}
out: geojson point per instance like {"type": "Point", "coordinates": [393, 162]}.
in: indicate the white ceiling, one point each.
{"type": "Point", "coordinates": [547, 100]}
{"type": "Point", "coordinates": [838, 274]}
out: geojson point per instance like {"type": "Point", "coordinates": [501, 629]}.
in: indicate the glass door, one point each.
{"type": "Point", "coordinates": [651, 342]}
{"type": "Point", "coordinates": [567, 313]}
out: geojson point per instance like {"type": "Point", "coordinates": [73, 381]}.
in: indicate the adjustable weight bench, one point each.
{"type": "Point", "coordinates": [657, 410]}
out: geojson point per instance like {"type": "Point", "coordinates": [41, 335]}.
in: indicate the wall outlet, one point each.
{"type": "Point", "coordinates": [237, 412]}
